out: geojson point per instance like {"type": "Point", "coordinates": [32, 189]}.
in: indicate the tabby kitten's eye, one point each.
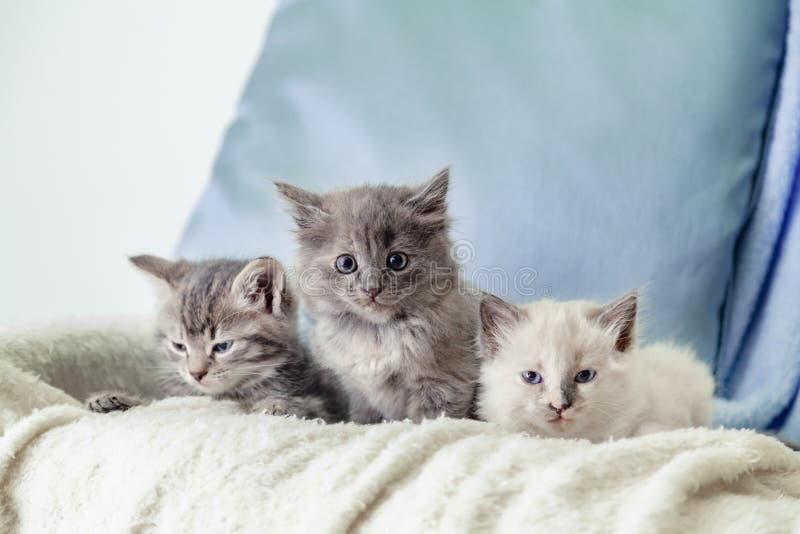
{"type": "Point", "coordinates": [180, 347]}
{"type": "Point", "coordinates": [531, 377]}
{"type": "Point", "coordinates": [223, 347]}
{"type": "Point", "coordinates": [584, 376]}
{"type": "Point", "coordinates": [346, 264]}
{"type": "Point", "coordinates": [397, 261]}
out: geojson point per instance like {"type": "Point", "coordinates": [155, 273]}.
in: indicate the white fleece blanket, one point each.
{"type": "Point", "coordinates": [195, 465]}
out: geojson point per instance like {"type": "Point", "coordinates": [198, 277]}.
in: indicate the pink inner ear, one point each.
{"type": "Point", "coordinates": [621, 316]}
{"type": "Point", "coordinates": [495, 315]}
{"type": "Point", "coordinates": [263, 287]}
{"type": "Point", "coordinates": [489, 337]}
{"type": "Point", "coordinates": [625, 338]}
{"type": "Point", "coordinates": [625, 335]}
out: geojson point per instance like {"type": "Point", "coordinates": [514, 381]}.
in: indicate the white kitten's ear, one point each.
{"type": "Point", "coordinates": [306, 206]}
{"type": "Point", "coordinates": [497, 317]}
{"type": "Point", "coordinates": [431, 197]}
{"type": "Point", "coordinates": [166, 274]}
{"type": "Point", "coordinates": [262, 284]}
{"type": "Point", "coordinates": [620, 317]}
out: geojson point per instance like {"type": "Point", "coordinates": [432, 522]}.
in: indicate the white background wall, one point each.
{"type": "Point", "coordinates": [111, 114]}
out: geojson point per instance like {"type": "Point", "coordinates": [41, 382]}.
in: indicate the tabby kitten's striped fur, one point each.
{"type": "Point", "coordinates": [228, 329]}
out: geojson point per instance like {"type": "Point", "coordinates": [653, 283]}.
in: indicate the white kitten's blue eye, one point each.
{"type": "Point", "coordinates": [531, 377]}
{"type": "Point", "coordinates": [346, 264]}
{"type": "Point", "coordinates": [585, 376]}
{"type": "Point", "coordinates": [220, 348]}
{"type": "Point", "coordinates": [397, 261]}
{"type": "Point", "coordinates": [180, 347]}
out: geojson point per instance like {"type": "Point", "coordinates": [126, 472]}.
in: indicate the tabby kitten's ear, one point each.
{"type": "Point", "coordinates": [163, 271]}
{"type": "Point", "coordinates": [431, 197]}
{"type": "Point", "coordinates": [497, 317]}
{"type": "Point", "coordinates": [306, 206]}
{"type": "Point", "coordinates": [620, 317]}
{"type": "Point", "coordinates": [262, 284]}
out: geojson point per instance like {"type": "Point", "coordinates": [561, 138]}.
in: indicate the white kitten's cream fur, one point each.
{"type": "Point", "coordinates": [635, 391]}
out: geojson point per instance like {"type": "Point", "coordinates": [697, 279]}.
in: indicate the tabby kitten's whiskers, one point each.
{"type": "Point", "coordinates": [228, 329]}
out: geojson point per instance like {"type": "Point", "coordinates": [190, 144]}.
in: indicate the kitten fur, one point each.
{"type": "Point", "coordinates": [266, 367]}
{"type": "Point", "coordinates": [408, 350]}
{"type": "Point", "coordinates": [635, 391]}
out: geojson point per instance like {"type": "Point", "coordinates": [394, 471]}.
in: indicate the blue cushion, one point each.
{"type": "Point", "coordinates": [595, 146]}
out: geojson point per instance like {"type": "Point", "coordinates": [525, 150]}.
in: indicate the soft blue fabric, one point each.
{"type": "Point", "coordinates": [759, 364]}
{"type": "Point", "coordinates": [595, 147]}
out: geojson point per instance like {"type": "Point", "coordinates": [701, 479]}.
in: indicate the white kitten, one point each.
{"type": "Point", "coordinates": [571, 369]}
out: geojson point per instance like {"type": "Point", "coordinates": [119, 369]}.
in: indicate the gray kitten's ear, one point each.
{"type": "Point", "coordinates": [431, 197]}
{"type": "Point", "coordinates": [262, 284]}
{"type": "Point", "coordinates": [497, 317]}
{"type": "Point", "coordinates": [306, 206]}
{"type": "Point", "coordinates": [620, 316]}
{"type": "Point", "coordinates": [161, 269]}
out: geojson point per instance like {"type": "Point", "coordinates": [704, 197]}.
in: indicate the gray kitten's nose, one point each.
{"type": "Point", "coordinates": [198, 375]}
{"type": "Point", "coordinates": [560, 409]}
{"type": "Point", "coordinates": [373, 292]}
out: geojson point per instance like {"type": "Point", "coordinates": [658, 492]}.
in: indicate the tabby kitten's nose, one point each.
{"type": "Point", "coordinates": [198, 375]}
{"type": "Point", "coordinates": [373, 292]}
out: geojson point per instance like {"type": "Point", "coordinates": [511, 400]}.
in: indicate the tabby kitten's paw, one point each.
{"type": "Point", "coordinates": [111, 401]}
{"type": "Point", "coordinates": [277, 407]}
{"type": "Point", "coordinates": [310, 407]}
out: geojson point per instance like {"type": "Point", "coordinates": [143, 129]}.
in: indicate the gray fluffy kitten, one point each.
{"type": "Point", "coordinates": [228, 330]}
{"type": "Point", "coordinates": [391, 320]}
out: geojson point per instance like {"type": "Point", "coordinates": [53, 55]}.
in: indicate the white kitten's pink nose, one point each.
{"type": "Point", "coordinates": [560, 408]}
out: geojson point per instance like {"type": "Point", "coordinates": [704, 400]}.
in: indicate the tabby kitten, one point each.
{"type": "Point", "coordinates": [228, 330]}
{"type": "Point", "coordinates": [571, 369]}
{"type": "Point", "coordinates": [378, 279]}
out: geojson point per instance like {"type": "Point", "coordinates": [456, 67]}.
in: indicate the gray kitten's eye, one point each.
{"type": "Point", "coordinates": [397, 261]}
{"type": "Point", "coordinates": [223, 347]}
{"type": "Point", "coordinates": [346, 264]}
{"type": "Point", "coordinates": [180, 347]}
{"type": "Point", "coordinates": [585, 376]}
{"type": "Point", "coordinates": [531, 377]}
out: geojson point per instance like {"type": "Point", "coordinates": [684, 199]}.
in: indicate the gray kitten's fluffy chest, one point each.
{"type": "Point", "coordinates": [421, 366]}
{"type": "Point", "coordinates": [378, 361]}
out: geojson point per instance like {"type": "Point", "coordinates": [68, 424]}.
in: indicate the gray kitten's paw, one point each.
{"type": "Point", "coordinates": [111, 401]}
